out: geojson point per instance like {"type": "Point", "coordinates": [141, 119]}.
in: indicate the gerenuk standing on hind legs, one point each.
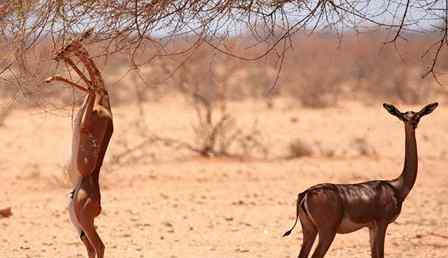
{"type": "Point", "coordinates": [92, 131]}
{"type": "Point", "coordinates": [327, 209]}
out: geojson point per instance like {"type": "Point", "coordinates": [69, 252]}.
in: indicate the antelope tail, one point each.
{"type": "Point", "coordinates": [299, 200]}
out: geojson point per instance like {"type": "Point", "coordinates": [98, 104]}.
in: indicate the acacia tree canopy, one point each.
{"type": "Point", "coordinates": [127, 25]}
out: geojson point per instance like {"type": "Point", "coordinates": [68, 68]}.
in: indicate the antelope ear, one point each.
{"type": "Point", "coordinates": [428, 109]}
{"type": "Point", "coordinates": [392, 110]}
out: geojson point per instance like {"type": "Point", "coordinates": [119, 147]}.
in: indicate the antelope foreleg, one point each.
{"type": "Point", "coordinates": [82, 54]}
{"type": "Point", "coordinates": [78, 71]}
{"type": "Point", "coordinates": [94, 73]}
{"type": "Point", "coordinates": [377, 238]}
{"type": "Point", "coordinates": [62, 79]}
{"type": "Point", "coordinates": [372, 235]}
{"type": "Point", "coordinates": [380, 238]}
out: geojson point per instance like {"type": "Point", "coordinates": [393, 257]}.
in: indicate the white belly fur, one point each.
{"type": "Point", "coordinates": [73, 218]}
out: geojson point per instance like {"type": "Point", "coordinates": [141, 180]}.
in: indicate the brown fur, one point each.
{"type": "Point", "coordinates": [93, 128]}
{"type": "Point", "coordinates": [327, 209]}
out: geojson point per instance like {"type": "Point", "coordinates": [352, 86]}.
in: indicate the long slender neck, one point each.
{"type": "Point", "coordinates": [406, 180]}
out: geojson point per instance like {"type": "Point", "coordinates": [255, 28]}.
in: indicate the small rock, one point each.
{"type": "Point", "coordinates": [6, 212]}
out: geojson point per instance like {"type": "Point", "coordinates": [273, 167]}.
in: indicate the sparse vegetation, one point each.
{"type": "Point", "coordinates": [363, 148]}
{"type": "Point", "coordinates": [316, 73]}
{"type": "Point", "coordinates": [298, 149]}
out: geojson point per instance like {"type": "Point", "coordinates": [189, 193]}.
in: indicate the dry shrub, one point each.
{"type": "Point", "coordinates": [385, 75]}
{"type": "Point", "coordinates": [299, 149]}
{"type": "Point", "coordinates": [213, 137]}
{"type": "Point", "coordinates": [318, 72]}
{"type": "Point", "coordinates": [222, 136]}
{"type": "Point", "coordinates": [363, 148]}
{"type": "Point", "coordinates": [328, 153]}
{"type": "Point", "coordinates": [216, 134]}
{"type": "Point", "coordinates": [316, 91]}
{"type": "Point", "coordinates": [216, 130]}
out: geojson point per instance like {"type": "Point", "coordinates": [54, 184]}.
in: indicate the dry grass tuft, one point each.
{"type": "Point", "coordinates": [299, 149]}
{"type": "Point", "coordinates": [363, 148]}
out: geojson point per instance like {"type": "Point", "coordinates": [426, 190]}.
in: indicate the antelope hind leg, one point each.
{"type": "Point", "coordinates": [318, 205]}
{"type": "Point", "coordinates": [326, 237]}
{"type": "Point", "coordinates": [90, 250]}
{"type": "Point", "coordinates": [380, 236]}
{"type": "Point", "coordinates": [309, 235]}
{"type": "Point", "coordinates": [73, 209]}
{"type": "Point", "coordinates": [86, 218]}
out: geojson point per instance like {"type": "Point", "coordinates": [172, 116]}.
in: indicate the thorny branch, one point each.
{"type": "Point", "coordinates": [129, 25]}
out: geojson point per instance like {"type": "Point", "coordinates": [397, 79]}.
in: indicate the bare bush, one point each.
{"type": "Point", "coordinates": [216, 130]}
{"type": "Point", "coordinates": [223, 137]}
{"type": "Point", "coordinates": [316, 91]}
{"type": "Point", "coordinates": [127, 25]}
{"type": "Point", "coordinates": [363, 148]}
{"type": "Point", "coordinates": [208, 87]}
{"type": "Point", "coordinates": [317, 73]}
{"type": "Point", "coordinates": [213, 137]}
{"type": "Point", "coordinates": [299, 149]}
{"type": "Point", "coordinates": [216, 134]}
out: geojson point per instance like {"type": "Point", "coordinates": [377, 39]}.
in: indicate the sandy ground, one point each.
{"type": "Point", "coordinates": [162, 203]}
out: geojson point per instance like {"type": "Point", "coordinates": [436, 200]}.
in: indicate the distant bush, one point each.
{"type": "Point", "coordinates": [363, 148]}
{"type": "Point", "coordinates": [318, 72]}
{"type": "Point", "coordinates": [298, 149]}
